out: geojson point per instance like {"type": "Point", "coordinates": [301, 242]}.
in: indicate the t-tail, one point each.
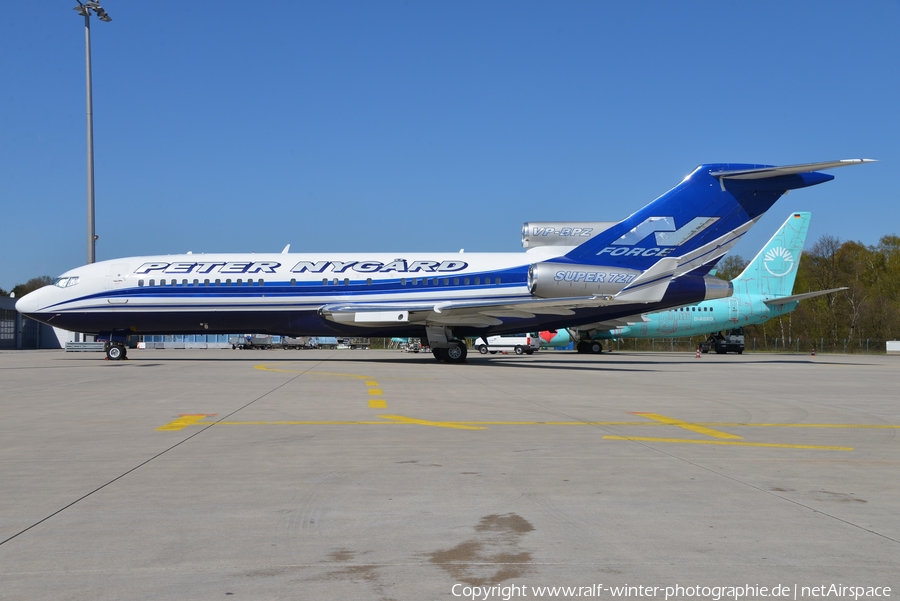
{"type": "Point", "coordinates": [700, 219]}
{"type": "Point", "coordinates": [772, 272]}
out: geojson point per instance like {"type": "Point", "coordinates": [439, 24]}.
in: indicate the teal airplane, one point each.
{"type": "Point", "coordinates": [762, 291]}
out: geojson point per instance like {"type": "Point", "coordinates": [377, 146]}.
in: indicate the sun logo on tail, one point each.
{"type": "Point", "coordinates": [778, 261]}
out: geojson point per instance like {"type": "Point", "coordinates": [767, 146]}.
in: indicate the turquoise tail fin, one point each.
{"type": "Point", "coordinates": [773, 271]}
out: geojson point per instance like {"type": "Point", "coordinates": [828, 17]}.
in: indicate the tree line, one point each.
{"type": "Point", "coordinates": [20, 290]}
{"type": "Point", "coordinates": [860, 318]}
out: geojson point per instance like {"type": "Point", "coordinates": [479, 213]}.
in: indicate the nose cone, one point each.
{"type": "Point", "coordinates": [30, 303]}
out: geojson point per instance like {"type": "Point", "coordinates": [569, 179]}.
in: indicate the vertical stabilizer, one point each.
{"type": "Point", "coordinates": [773, 271]}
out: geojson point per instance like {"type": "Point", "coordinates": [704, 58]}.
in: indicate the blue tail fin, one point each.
{"type": "Point", "coordinates": [700, 219]}
{"type": "Point", "coordinates": [773, 271]}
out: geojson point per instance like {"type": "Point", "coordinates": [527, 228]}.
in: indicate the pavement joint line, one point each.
{"type": "Point", "coordinates": [686, 425]}
{"type": "Point", "coordinates": [146, 461]}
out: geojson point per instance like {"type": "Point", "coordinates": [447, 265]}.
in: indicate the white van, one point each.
{"type": "Point", "coordinates": [517, 343]}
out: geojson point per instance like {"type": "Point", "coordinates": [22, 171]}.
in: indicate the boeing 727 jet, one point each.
{"type": "Point", "coordinates": [658, 257]}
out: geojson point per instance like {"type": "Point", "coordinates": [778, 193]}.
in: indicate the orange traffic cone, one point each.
{"type": "Point", "coordinates": [698, 352]}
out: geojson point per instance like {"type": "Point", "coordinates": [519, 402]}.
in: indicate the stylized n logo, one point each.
{"type": "Point", "coordinates": [665, 232]}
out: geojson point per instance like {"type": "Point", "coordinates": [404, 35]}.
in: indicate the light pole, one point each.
{"type": "Point", "coordinates": [85, 11]}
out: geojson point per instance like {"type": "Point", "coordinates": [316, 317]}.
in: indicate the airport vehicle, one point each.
{"type": "Point", "coordinates": [762, 291]}
{"type": "Point", "coordinates": [571, 274]}
{"type": "Point", "coordinates": [730, 342]}
{"type": "Point", "coordinates": [251, 341]}
{"type": "Point", "coordinates": [517, 343]}
{"type": "Point", "coordinates": [299, 342]}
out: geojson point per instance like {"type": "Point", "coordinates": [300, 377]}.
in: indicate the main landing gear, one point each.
{"type": "Point", "coordinates": [455, 353]}
{"type": "Point", "coordinates": [116, 351]}
{"type": "Point", "coordinates": [444, 346]}
{"type": "Point", "coordinates": [589, 346]}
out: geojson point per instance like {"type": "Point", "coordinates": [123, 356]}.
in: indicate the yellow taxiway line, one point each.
{"type": "Point", "coordinates": [730, 443]}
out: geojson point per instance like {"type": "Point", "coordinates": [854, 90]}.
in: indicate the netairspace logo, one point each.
{"type": "Point", "coordinates": [714, 593]}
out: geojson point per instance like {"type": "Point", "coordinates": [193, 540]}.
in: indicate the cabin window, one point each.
{"type": "Point", "coordinates": [403, 281]}
{"type": "Point", "coordinates": [260, 281]}
{"type": "Point", "coordinates": [293, 282]}
{"type": "Point", "coordinates": [152, 282]}
{"type": "Point", "coordinates": [140, 283]}
{"type": "Point", "coordinates": [446, 281]}
{"type": "Point", "coordinates": [196, 282]}
{"type": "Point", "coordinates": [368, 281]}
{"type": "Point", "coordinates": [456, 281]}
{"type": "Point", "coordinates": [239, 282]}
{"type": "Point", "coordinates": [184, 282]}
{"type": "Point", "coordinates": [466, 281]}
{"type": "Point", "coordinates": [228, 282]}
{"type": "Point", "coordinates": [334, 283]}
{"type": "Point", "coordinates": [324, 281]}
{"type": "Point", "coordinates": [477, 281]}
{"type": "Point", "coordinates": [497, 281]}
{"type": "Point", "coordinates": [414, 281]}
{"type": "Point", "coordinates": [218, 282]}
{"type": "Point", "coordinates": [346, 281]}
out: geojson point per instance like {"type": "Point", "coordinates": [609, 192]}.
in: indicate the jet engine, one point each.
{"type": "Point", "coordinates": [558, 280]}
{"type": "Point", "coordinates": [561, 233]}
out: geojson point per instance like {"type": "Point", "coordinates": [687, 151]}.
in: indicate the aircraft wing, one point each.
{"type": "Point", "coordinates": [781, 300]}
{"type": "Point", "coordinates": [649, 287]}
{"type": "Point", "coordinates": [462, 312]}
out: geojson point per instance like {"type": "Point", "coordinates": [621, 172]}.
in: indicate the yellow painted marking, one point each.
{"type": "Point", "coordinates": [305, 423]}
{"type": "Point", "coordinates": [731, 443]}
{"type": "Point", "coordinates": [687, 425]}
{"type": "Point", "coordinates": [182, 422]}
{"type": "Point", "coordinates": [740, 425]}
{"type": "Point", "coordinates": [421, 422]}
{"type": "Point", "coordinates": [374, 404]}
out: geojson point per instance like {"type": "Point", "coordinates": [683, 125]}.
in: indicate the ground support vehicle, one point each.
{"type": "Point", "coordinates": [731, 342]}
{"type": "Point", "coordinates": [520, 344]}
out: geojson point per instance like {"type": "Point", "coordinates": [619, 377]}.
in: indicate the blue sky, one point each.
{"type": "Point", "coordinates": [427, 126]}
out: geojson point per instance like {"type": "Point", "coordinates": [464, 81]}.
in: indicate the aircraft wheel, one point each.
{"type": "Point", "coordinates": [439, 353]}
{"type": "Point", "coordinates": [519, 350]}
{"type": "Point", "coordinates": [115, 352]}
{"type": "Point", "coordinates": [582, 347]}
{"type": "Point", "coordinates": [595, 347]}
{"type": "Point", "coordinates": [482, 349]}
{"type": "Point", "coordinates": [456, 353]}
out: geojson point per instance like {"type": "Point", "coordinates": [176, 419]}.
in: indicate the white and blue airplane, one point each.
{"type": "Point", "coordinates": [658, 257]}
{"type": "Point", "coordinates": [762, 291]}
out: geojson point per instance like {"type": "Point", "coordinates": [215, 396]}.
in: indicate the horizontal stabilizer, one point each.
{"type": "Point", "coordinates": [782, 300]}
{"type": "Point", "coordinates": [767, 172]}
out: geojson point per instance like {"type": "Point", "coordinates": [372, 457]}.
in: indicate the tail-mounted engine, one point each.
{"type": "Point", "coordinates": [557, 280]}
{"type": "Point", "coordinates": [561, 233]}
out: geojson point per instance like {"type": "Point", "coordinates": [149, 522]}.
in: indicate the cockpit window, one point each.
{"type": "Point", "coordinates": [65, 282]}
